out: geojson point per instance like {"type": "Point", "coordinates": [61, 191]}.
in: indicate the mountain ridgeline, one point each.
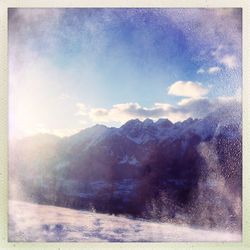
{"type": "Point", "coordinates": [187, 172]}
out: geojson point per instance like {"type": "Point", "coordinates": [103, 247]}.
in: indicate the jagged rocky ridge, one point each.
{"type": "Point", "coordinates": [186, 172]}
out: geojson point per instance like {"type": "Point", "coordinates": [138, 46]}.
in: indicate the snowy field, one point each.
{"type": "Point", "coordinates": [33, 222]}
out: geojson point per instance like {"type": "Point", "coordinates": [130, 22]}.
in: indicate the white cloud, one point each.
{"type": "Point", "coordinates": [216, 53]}
{"type": "Point", "coordinates": [195, 105]}
{"type": "Point", "coordinates": [188, 89]}
{"type": "Point", "coordinates": [188, 107]}
{"type": "Point", "coordinates": [82, 109]}
{"type": "Point", "coordinates": [120, 113]}
{"type": "Point", "coordinates": [187, 101]}
{"type": "Point", "coordinates": [223, 56]}
{"type": "Point", "coordinates": [99, 115]}
{"type": "Point", "coordinates": [229, 61]}
{"type": "Point", "coordinates": [164, 106]}
{"type": "Point", "coordinates": [200, 71]}
{"type": "Point", "coordinates": [125, 111]}
{"type": "Point", "coordinates": [213, 70]}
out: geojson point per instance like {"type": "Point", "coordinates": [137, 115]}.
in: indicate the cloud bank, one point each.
{"type": "Point", "coordinates": [188, 107]}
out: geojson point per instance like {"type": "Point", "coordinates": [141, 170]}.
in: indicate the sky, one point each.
{"type": "Point", "coordinates": [70, 69]}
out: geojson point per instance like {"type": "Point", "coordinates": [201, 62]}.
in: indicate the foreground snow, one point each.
{"type": "Point", "coordinates": [33, 222]}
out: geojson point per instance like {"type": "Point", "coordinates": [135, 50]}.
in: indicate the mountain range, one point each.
{"type": "Point", "coordinates": [185, 172]}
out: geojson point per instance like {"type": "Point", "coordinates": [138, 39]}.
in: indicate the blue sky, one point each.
{"type": "Point", "coordinates": [73, 68]}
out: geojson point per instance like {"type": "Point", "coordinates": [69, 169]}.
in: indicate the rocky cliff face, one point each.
{"type": "Point", "coordinates": [188, 172]}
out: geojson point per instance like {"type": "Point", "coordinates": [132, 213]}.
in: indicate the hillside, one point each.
{"type": "Point", "coordinates": [33, 222]}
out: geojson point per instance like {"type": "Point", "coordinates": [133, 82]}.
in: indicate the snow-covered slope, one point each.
{"type": "Point", "coordinates": [33, 222]}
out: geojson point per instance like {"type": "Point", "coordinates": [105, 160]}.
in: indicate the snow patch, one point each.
{"type": "Point", "coordinates": [129, 160]}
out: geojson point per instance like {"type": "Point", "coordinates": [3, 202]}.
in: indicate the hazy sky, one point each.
{"type": "Point", "coordinates": [72, 68]}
